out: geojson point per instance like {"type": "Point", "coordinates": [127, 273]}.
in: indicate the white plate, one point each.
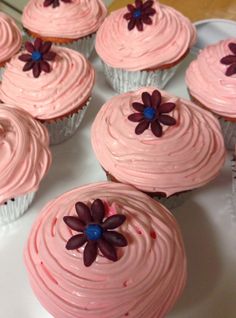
{"type": "Point", "coordinates": [207, 221]}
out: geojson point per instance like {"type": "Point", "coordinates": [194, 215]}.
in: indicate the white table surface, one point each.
{"type": "Point", "coordinates": [207, 220]}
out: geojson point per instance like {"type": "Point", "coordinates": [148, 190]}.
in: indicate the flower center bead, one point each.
{"type": "Point", "coordinates": [137, 14]}
{"type": "Point", "coordinates": [149, 113]}
{"type": "Point", "coordinates": [94, 232]}
{"type": "Point", "coordinates": [36, 56]}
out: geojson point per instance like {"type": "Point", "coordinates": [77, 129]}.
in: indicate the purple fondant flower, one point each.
{"type": "Point", "coordinates": [140, 13]}
{"type": "Point", "coordinates": [54, 3]}
{"type": "Point", "coordinates": [230, 60]}
{"type": "Point", "coordinates": [152, 113]}
{"type": "Point", "coordinates": [38, 57]}
{"type": "Point", "coordinates": [95, 231]}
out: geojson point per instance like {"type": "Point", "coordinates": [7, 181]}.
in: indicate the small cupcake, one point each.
{"type": "Point", "coordinates": [53, 84]}
{"type": "Point", "coordinates": [143, 44]}
{"type": "Point", "coordinates": [10, 41]}
{"type": "Point", "coordinates": [25, 159]}
{"type": "Point", "coordinates": [161, 144]}
{"type": "Point", "coordinates": [106, 250]}
{"type": "Point", "coordinates": [211, 81]}
{"type": "Point", "coordinates": [71, 23]}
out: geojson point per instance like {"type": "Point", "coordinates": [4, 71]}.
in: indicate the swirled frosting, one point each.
{"type": "Point", "coordinates": [164, 42]}
{"type": "Point", "coordinates": [53, 94]}
{"type": "Point", "coordinates": [187, 156]}
{"type": "Point", "coordinates": [25, 156]}
{"type": "Point", "coordinates": [146, 280]}
{"type": "Point", "coordinates": [207, 82]}
{"type": "Point", "coordinates": [69, 20]}
{"type": "Point", "coordinates": [10, 38]}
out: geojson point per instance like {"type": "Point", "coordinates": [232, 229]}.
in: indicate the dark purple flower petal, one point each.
{"type": "Point", "coordinates": [56, 3]}
{"type": "Point", "coordinates": [50, 56]}
{"type": "Point", "coordinates": [25, 57]}
{"type": "Point", "coordinates": [231, 70]}
{"type": "Point", "coordinates": [155, 99]}
{"type": "Point", "coordinates": [156, 128]}
{"type": "Point", "coordinates": [115, 238]}
{"type": "Point", "coordinates": [136, 117]}
{"type": "Point", "coordinates": [113, 221]}
{"type": "Point", "coordinates": [46, 47]}
{"type": "Point", "coordinates": [28, 66]}
{"type": "Point", "coordinates": [138, 4]}
{"type": "Point", "coordinates": [90, 253]}
{"type": "Point", "coordinates": [128, 16]}
{"type": "Point", "coordinates": [139, 25]}
{"type": "Point", "coordinates": [232, 47]}
{"type": "Point", "coordinates": [74, 223]}
{"type": "Point", "coordinates": [146, 98]}
{"type": "Point", "coordinates": [131, 24]}
{"type": "Point", "coordinates": [29, 47]}
{"type": "Point", "coordinates": [98, 211]}
{"type": "Point", "coordinates": [229, 59]}
{"type": "Point", "coordinates": [131, 8]}
{"type": "Point", "coordinates": [150, 11]}
{"type": "Point", "coordinates": [47, 3]}
{"type": "Point", "coordinates": [38, 44]}
{"type": "Point", "coordinates": [36, 70]}
{"type": "Point", "coordinates": [148, 4]}
{"type": "Point", "coordinates": [167, 120]}
{"type": "Point", "coordinates": [107, 250]}
{"type": "Point", "coordinates": [166, 108]}
{"type": "Point", "coordinates": [141, 127]}
{"type": "Point", "coordinates": [76, 242]}
{"type": "Point", "coordinates": [83, 212]}
{"type": "Point", "coordinates": [146, 20]}
{"type": "Point", "coordinates": [66, 1]}
{"type": "Point", "coordinates": [45, 66]}
{"type": "Point", "coordinates": [138, 106]}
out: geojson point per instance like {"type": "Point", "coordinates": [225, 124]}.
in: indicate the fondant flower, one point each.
{"type": "Point", "coordinates": [230, 60]}
{"type": "Point", "coordinates": [54, 3]}
{"type": "Point", "coordinates": [96, 232]}
{"type": "Point", "coordinates": [152, 113]}
{"type": "Point", "coordinates": [139, 14]}
{"type": "Point", "coordinates": [38, 57]}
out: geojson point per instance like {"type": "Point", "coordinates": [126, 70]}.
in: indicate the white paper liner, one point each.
{"type": "Point", "coordinates": [62, 129]}
{"type": "Point", "coordinates": [174, 201]}
{"type": "Point", "coordinates": [14, 209]}
{"type": "Point", "coordinates": [124, 81]}
{"type": "Point", "coordinates": [229, 133]}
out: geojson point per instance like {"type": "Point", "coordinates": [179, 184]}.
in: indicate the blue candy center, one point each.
{"type": "Point", "coordinates": [94, 232]}
{"type": "Point", "coordinates": [137, 14]}
{"type": "Point", "coordinates": [149, 113]}
{"type": "Point", "coordinates": [36, 56]}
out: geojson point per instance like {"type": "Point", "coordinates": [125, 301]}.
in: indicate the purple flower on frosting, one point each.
{"type": "Point", "coordinates": [95, 231]}
{"type": "Point", "coordinates": [139, 14]}
{"type": "Point", "coordinates": [230, 60]}
{"type": "Point", "coordinates": [38, 57]}
{"type": "Point", "coordinates": [152, 113]}
{"type": "Point", "coordinates": [54, 3]}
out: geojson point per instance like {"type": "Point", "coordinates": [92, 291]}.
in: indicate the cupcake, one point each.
{"type": "Point", "coordinates": [53, 84]}
{"type": "Point", "coordinates": [143, 44]}
{"type": "Point", "coordinates": [71, 23]}
{"type": "Point", "coordinates": [10, 41]}
{"type": "Point", "coordinates": [211, 81]}
{"type": "Point", "coordinates": [106, 250]}
{"type": "Point", "coordinates": [25, 159]}
{"type": "Point", "coordinates": [163, 145]}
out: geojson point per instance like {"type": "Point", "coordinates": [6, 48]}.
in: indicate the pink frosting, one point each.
{"type": "Point", "coordinates": [187, 156]}
{"type": "Point", "coordinates": [69, 20]}
{"type": "Point", "coordinates": [208, 83]}
{"type": "Point", "coordinates": [10, 37]}
{"type": "Point", "coordinates": [146, 280]}
{"type": "Point", "coordinates": [164, 42]}
{"type": "Point", "coordinates": [25, 156]}
{"type": "Point", "coordinates": [53, 94]}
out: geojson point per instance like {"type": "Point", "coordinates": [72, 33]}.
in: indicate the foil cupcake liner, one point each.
{"type": "Point", "coordinates": [229, 133]}
{"type": "Point", "coordinates": [13, 209]}
{"type": "Point", "coordinates": [123, 81]}
{"type": "Point", "coordinates": [62, 129]}
{"type": "Point", "coordinates": [174, 201]}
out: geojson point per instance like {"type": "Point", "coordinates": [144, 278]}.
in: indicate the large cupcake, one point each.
{"type": "Point", "coordinates": [53, 84]}
{"type": "Point", "coordinates": [24, 160]}
{"type": "Point", "coordinates": [161, 144]}
{"type": "Point", "coordinates": [71, 23]}
{"type": "Point", "coordinates": [211, 80]}
{"type": "Point", "coordinates": [106, 250]}
{"type": "Point", "coordinates": [143, 44]}
{"type": "Point", "coordinates": [10, 39]}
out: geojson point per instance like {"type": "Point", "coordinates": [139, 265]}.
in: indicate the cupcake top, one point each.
{"type": "Point", "coordinates": [211, 78]}
{"type": "Point", "coordinates": [145, 281]}
{"type": "Point", "coordinates": [25, 156]}
{"type": "Point", "coordinates": [47, 82]}
{"type": "Point", "coordinates": [68, 19]}
{"type": "Point", "coordinates": [157, 142]}
{"type": "Point", "coordinates": [144, 35]}
{"type": "Point", "coordinates": [10, 39]}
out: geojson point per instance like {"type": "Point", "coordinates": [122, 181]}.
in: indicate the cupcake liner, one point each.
{"type": "Point", "coordinates": [12, 209]}
{"type": "Point", "coordinates": [229, 133]}
{"type": "Point", "coordinates": [174, 201]}
{"type": "Point", "coordinates": [62, 129]}
{"type": "Point", "coordinates": [124, 81]}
